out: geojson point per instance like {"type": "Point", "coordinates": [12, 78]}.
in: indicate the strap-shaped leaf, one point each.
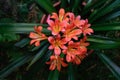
{"type": "Point", "coordinates": [110, 65]}
{"type": "Point", "coordinates": [54, 75]}
{"type": "Point", "coordinates": [22, 43]}
{"type": "Point", "coordinates": [45, 58]}
{"type": "Point", "coordinates": [101, 12]}
{"type": "Point", "coordinates": [92, 5]}
{"type": "Point", "coordinates": [16, 27]}
{"type": "Point", "coordinates": [75, 5]}
{"type": "Point", "coordinates": [64, 3]}
{"type": "Point", "coordinates": [46, 4]}
{"type": "Point", "coordinates": [71, 72]}
{"type": "Point", "coordinates": [33, 70]}
{"type": "Point", "coordinates": [14, 65]}
{"type": "Point", "coordinates": [114, 14]}
{"type": "Point", "coordinates": [9, 37]}
{"type": "Point", "coordinates": [42, 61]}
{"type": "Point", "coordinates": [106, 27]}
{"type": "Point", "coordinates": [39, 55]}
{"type": "Point", "coordinates": [20, 28]}
{"type": "Point", "coordinates": [97, 42]}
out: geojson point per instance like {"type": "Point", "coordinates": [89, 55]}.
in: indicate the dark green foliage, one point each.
{"type": "Point", "coordinates": [22, 61]}
{"type": "Point", "coordinates": [111, 65]}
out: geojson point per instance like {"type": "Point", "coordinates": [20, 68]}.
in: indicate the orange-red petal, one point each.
{"type": "Point", "coordinates": [57, 50]}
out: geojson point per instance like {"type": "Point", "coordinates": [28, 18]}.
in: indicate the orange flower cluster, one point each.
{"type": "Point", "coordinates": [66, 30]}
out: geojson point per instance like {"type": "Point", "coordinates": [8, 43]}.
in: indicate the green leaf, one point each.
{"type": "Point", "coordinates": [109, 16]}
{"type": "Point", "coordinates": [16, 27]}
{"type": "Point", "coordinates": [9, 37]}
{"type": "Point", "coordinates": [75, 5]}
{"type": "Point", "coordinates": [64, 3]}
{"type": "Point", "coordinates": [54, 75]}
{"type": "Point", "coordinates": [11, 53]}
{"type": "Point", "coordinates": [14, 65]}
{"type": "Point", "coordinates": [23, 8]}
{"type": "Point", "coordinates": [38, 55]}
{"type": "Point", "coordinates": [46, 4]}
{"type": "Point", "coordinates": [102, 11]}
{"type": "Point", "coordinates": [106, 27]}
{"type": "Point", "coordinates": [22, 43]}
{"type": "Point", "coordinates": [33, 70]}
{"type": "Point", "coordinates": [6, 20]}
{"type": "Point", "coordinates": [98, 42]}
{"type": "Point", "coordinates": [92, 5]}
{"type": "Point", "coordinates": [1, 38]}
{"type": "Point", "coordinates": [20, 28]}
{"type": "Point", "coordinates": [45, 58]}
{"type": "Point", "coordinates": [70, 72]}
{"type": "Point", "coordinates": [110, 65]}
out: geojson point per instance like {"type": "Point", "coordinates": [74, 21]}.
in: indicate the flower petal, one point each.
{"type": "Point", "coordinates": [54, 16]}
{"type": "Point", "coordinates": [68, 58]}
{"type": "Point", "coordinates": [51, 39]}
{"type": "Point", "coordinates": [57, 50]}
{"type": "Point", "coordinates": [64, 64]}
{"type": "Point", "coordinates": [49, 28]}
{"type": "Point", "coordinates": [50, 47]}
{"type": "Point", "coordinates": [50, 22]}
{"type": "Point", "coordinates": [88, 31]}
{"type": "Point", "coordinates": [32, 41]}
{"type": "Point", "coordinates": [77, 60]}
{"type": "Point", "coordinates": [54, 33]}
{"type": "Point", "coordinates": [61, 12]}
{"type": "Point", "coordinates": [37, 43]}
{"type": "Point", "coordinates": [33, 35]}
{"type": "Point", "coordinates": [58, 66]}
{"type": "Point", "coordinates": [63, 47]}
{"type": "Point", "coordinates": [52, 66]}
{"type": "Point", "coordinates": [39, 28]}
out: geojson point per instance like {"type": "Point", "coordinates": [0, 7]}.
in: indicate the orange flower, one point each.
{"type": "Point", "coordinates": [85, 28]}
{"type": "Point", "coordinates": [56, 62]}
{"type": "Point", "coordinates": [82, 45]}
{"type": "Point", "coordinates": [55, 26]}
{"type": "Point", "coordinates": [59, 17]}
{"type": "Point", "coordinates": [75, 20]}
{"type": "Point", "coordinates": [65, 30]}
{"type": "Point", "coordinates": [78, 22]}
{"type": "Point", "coordinates": [57, 22]}
{"type": "Point", "coordinates": [78, 58]}
{"type": "Point", "coordinates": [56, 44]}
{"type": "Point", "coordinates": [71, 32]}
{"type": "Point", "coordinates": [38, 36]}
{"type": "Point", "coordinates": [71, 51]}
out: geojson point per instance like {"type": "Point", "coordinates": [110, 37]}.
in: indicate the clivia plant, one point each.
{"type": "Point", "coordinates": [68, 32]}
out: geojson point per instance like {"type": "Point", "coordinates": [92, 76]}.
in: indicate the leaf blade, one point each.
{"type": "Point", "coordinates": [106, 27]}
{"type": "Point", "coordinates": [110, 65]}
{"type": "Point", "coordinates": [101, 12]}
{"type": "Point", "coordinates": [71, 72]}
{"type": "Point", "coordinates": [98, 42]}
{"type": "Point", "coordinates": [38, 56]}
{"type": "Point", "coordinates": [14, 65]}
{"type": "Point", "coordinates": [54, 75]}
{"type": "Point", "coordinates": [46, 4]}
{"type": "Point", "coordinates": [20, 27]}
